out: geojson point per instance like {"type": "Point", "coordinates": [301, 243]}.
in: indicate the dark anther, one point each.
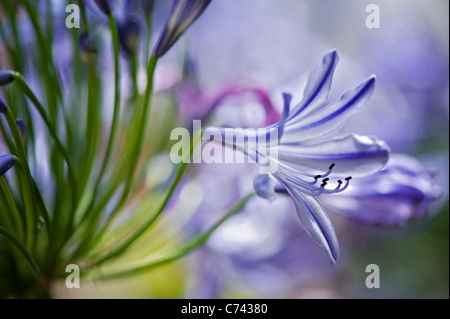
{"type": "Point", "coordinates": [348, 178]}
{"type": "Point", "coordinates": [331, 166]}
{"type": "Point", "coordinates": [339, 181]}
{"type": "Point", "coordinates": [325, 180]}
{"type": "Point", "coordinates": [317, 176]}
{"type": "Point", "coordinates": [323, 184]}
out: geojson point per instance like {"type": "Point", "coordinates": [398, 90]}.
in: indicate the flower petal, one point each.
{"type": "Point", "coordinates": [330, 118]}
{"type": "Point", "coordinates": [287, 103]}
{"type": "Point", "coordinates": [353, 155]}
{"type": "Point", "coordinates": [394, 196]}
{"type": "Point", "coordinates": [315, 221]}
{"type": "Point", "coordinates": [318, 86]}
{"type": "Point", "coordinates": [182, 15]}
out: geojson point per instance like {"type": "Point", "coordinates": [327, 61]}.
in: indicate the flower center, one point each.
{"type": "Point", "coordinates": [322, 188]}
{"type": "Point", "coordinates": [313, 188]}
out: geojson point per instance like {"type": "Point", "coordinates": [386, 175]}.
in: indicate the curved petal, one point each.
{"type": "Point", "coordinates": [330, 118]}
{"type": "Point", "coordinates": [182, 15]}
{"type": "Point", "coordinates": [287, 103]}
{"type": "Point", "coordinates": [353, 155]}
{"type": "Point", "coordinates": [315, 221]}
{"type": "Point", "coordinates": [318, 86]}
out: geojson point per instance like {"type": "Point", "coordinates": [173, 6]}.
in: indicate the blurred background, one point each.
{"type": "Point", "coordinates": [263, 251]}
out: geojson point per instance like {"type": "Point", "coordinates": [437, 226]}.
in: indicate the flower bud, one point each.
{"type": "Point", "coordinates": [87, 49]}
{"type": "Point", "coordinates": [6, 162]}
{"type": "Point", "coordinates": [21, 126]}
{"type": "Point", "coordinates": [104, 6]}
{"type": "Point", "coordinates": [147, 5]}
{"type": "Point", "coordinates": [129, 34]}
{"type": "Point", "coordinates": [6, 77]}
{"type": "Point", "coordinates": [183, 14]}
{"type": "Point", "coordinates": [3, 105]}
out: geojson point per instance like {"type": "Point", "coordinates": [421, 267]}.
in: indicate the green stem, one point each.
{"type": "Point", "coordinates": [32, 263]}
{"type": "Point", "coordinates": [13, 210]}
{"type": "Point", "coordinates": [7, 215]}
{"type": "Point", "coordinates": [83, 15]}
{"type": "Point", "coordinates": [29, 93]}
{"type": "Point", "coordinates": [133, 73]}
{"type": "Point", "coordinates": [116, 113]}
{"type": "Point", "coordinates": [28, 192]}
{"type": "Point", "coordinates": [124, 246]}
{"type": "Point", "coordinates": [184, 250]}
{"type": "Point", "coordinates": [92, 130]}
{"type": "Point", "coordinates": [93, 212]}
{"type": "Point", "coordinates": [148, 25]}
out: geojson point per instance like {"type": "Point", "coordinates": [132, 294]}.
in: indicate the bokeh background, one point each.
{"type": "Point", "coordinates": [263, 252]}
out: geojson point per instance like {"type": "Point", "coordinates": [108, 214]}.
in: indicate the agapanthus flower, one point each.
{"type": "Point", "coordinates": [183, 14]}
{"type": "Point", "coordinates": [396, 195]}
{"type": "Point", "coordinates": [300, 154]}
{"type": "Point", "coordinates": [266, 251]}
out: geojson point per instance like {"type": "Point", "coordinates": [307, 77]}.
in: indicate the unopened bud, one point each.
{"type": "Point", "coordinates": [6, 77]}
{"type": "Point", "coordinates": [183, 14]}
{"type": "Point", "coordinates": [6, 162]}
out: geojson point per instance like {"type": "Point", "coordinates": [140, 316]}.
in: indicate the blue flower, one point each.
{"type": "Point", "coordinates": [183, 14]}
{"type": "Point", "coordinates": [147, 5]}
{"type": "Point", "coordinates": [129, 31]}
{"type": "Point", "coordinates": [3, 106]}
{"type": "Point", "coordinates": [6, 77]}
{"type": "Point", "coordinates": [104, 6]}
{"type": "Point", "coordinates": [6, 162]}
{"type": "Point", "coordinates": [301, 153]}
{"type": "Point", "coordinates": [87, 49]}
{"type": "Point", "coordinates": [396, 195]}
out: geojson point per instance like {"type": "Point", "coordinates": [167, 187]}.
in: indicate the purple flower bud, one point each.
{"type": "Point", "coordinates": [394, 196]}
{"type": "Point", "coordinates": [6, 77]}
{"type": "Point", "coordinates": [6, 162]}
{"type": "Point", "coordinates": [87, 49]}
{"type": "Point", "coordinates": [129, 32]}
{"type": "Point", "coordinates": [21, 126]}
{"type": "Point", "coordinates": [3, 105]}
{"type": "Point", "coordinates": [183, 14]}
{"type": "Point", "coordinates": [147, 5]}
{"type": "Point", "coordinates": [104, 6]}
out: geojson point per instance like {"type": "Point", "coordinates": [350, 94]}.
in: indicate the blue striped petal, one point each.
{"type": "Point", "coordinates": [182, 15]}
{"type": "Point", "coordinates": [318, 86]}
{"type": "Point", "coordinates": [353, 155]}
{"type": "Point", "coordinates": [330, 118]}
{"type": "Point", "coordinates": [315, 221]}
